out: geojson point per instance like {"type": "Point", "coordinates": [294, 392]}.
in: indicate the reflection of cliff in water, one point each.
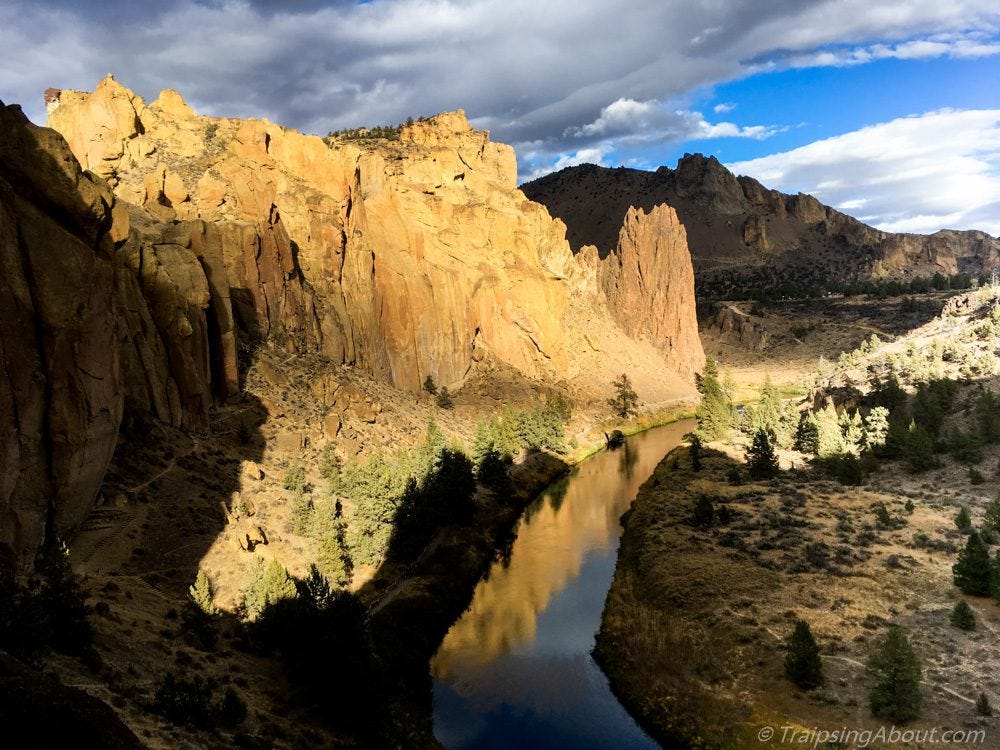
{"type": "Point", "coordinates": [554, 537]}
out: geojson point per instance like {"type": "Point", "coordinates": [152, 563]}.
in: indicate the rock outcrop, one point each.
{"type": "Point", "coordinates": [649, 283]}
{"type": "Point", "coordinates": [406, 257]}
{"type": "Point", "coordinates": [743, 235]}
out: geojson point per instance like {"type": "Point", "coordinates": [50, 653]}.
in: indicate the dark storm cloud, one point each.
{"type": "Point", "coordinates": [556, 78]}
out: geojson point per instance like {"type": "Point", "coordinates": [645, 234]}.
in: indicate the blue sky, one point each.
{"type": "Point", "coordinates": [888, 110]}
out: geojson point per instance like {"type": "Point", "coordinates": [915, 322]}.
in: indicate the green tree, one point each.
{"type": "Point", "coordinates": [762, 463]}
{"type": "Point", "coordinates": [695, 452]}
{"type": "Point", "coordinates": [972, 571]}
{"type": "Point", "coordinates": [715, 412]}
{"type": "Point", "coordinates": [268, 585]}
{"type": "Point", "coordinates": [704, 512]}
{"type": "Point", "coordinates": [201, 593]}
{"type": "Point", "coordinates": [895, 669]}
{"type": "Point", "coordinates": [876, 427]}
{"type": "Point", "coordinates": [295, 478]}
{"type": "Point", "coordinates": [807, 433]}
{"type": "Point", "coordinates": [803, 665]}
{"type": "Point", "coordinates": [962, 616]}
{"type": "Point", "coordinates": [830, 438]}
{"type": "Point", "coordinates": [963, 520]}
{"type": "Point", "coordinates": [991, 520]}
{"type": "Point", "coordinates": [626, 399]}
{"type": "Point", "coordinates": [918, 448]}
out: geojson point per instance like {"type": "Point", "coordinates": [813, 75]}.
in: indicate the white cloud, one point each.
{"type": "Point", "coordinates": [552, 78]}
{"type": "Point", "coordinates": [723, 107]}
{"type": "Point", "coordinates": [914, 174]}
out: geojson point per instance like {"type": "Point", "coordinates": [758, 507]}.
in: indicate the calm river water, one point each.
{"type": "Point", "coordinates": [515, 671]}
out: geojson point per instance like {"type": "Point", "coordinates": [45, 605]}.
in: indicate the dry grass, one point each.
{"type": "Point", "coordinates": [696, 619]}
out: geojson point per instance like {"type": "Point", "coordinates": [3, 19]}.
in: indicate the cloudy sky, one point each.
{"type": "Point", "coordinates": [889, 110]}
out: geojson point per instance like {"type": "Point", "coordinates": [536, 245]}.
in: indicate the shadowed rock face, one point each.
{"type": "Point", "coordinates": [60, 394]}
{"type": "Point", "coordinates": [737, 228]}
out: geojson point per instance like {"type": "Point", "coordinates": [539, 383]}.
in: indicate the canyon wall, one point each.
{"type": "Point", "coordinates": [407, 256]}
{"type": "Point", "coordinates": [149, 252]}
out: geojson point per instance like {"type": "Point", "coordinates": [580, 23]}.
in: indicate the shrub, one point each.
{"type": "Point", "coordinates": [185, 701]}
{"type": "Point", "coordinates": [430, 386]}
{"type": "Point", "coordinates": [962, 617]}
{"type": "Point", "coordinates": [444, 399]}
{"type": "Point", "coordinates": [963, 520]}
{"type": "Point", "coordinates": [704, 512]}
{"type": "Point", "coordinates": [295, 479]}
{"type": "Point", "coordinates": [983, 707]}
{"type": "Point", "coordinates": [695, 453]}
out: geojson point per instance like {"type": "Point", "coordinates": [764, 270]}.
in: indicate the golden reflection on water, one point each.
{"type": "Point", "coordinates": [553, 539]}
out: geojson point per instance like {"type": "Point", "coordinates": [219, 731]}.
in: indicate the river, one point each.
{"type": "Point", "coordinates": [515, 670]}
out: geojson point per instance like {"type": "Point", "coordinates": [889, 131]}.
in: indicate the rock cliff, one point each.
{"type": "Point", "coordinates": [743, 234]}
{"type": "Point", "coordinates": [649, 283]}
{"type": "Point", "coordinates": [407, 256]}
{"type": "Point", "coordinates": [137, 285]}
{"type": "Point", "coordinates": [60, 394]}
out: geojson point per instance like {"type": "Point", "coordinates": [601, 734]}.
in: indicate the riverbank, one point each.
{"type": "Point", "coordinates": [439, 587]}
{"type": "Point", "coordinates": [693, 631]}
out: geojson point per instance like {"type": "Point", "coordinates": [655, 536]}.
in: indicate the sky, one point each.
{"type": "Point", "coordinates": [888, 110]}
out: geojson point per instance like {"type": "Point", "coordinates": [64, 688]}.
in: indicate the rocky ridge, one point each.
{"type": "Point", "coordinates": [741, 232]}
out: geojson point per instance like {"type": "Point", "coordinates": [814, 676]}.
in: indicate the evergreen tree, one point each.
{"type": "Point", "coordinates": [762, 463]}
{"type": "Point", "coordinates": [807, 433]}
{"type": "Point", "coordinates": [991, 521]}
{"type": "Point", "coordinates": [201, 593]}
{"type": "Point", "coordinates": [704, 512]}
{"type": "Point", "coordinates": [963, 520]}
{"type": "Point", "coordinates": [983, 707]}
{"type": "Point", "coordinates": [883, 519]}
{"type": "Point", "coordinates": [830, 439]}
{"type": "Point", "coordinates": [626, 399]}
{"type": "Point", "coordinates": [316, 589]}
{"type": "Point", "coordinates": [715, 412]}
{"type": "Point", "coordinates": [852, 430]}
{"type": "Point", "coordinates": [962, 617]}
{"type": "Point", "coordinates": [803, 665]}
{"type": "Point", "coordinates": [269, 585]}
{"type": "Point", "coordinates": [895, 668]}
{"type": "Point", "coordinates": [972, 571]}
{"type": "Point", "coordinates": [695, 452]}
{"type": "Point", "coordinates": [876, 427]}
{"type": "Point", "coordinates": [995, 577]}
{"type": "Point", "coordinates": [918, 448]}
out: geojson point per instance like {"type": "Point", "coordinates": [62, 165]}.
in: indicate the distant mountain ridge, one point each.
{"type": "Point", "coordinates": [742, 234]}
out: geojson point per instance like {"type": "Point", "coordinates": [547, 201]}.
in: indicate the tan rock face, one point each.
{"type": "Point", "coordinates": [60, 397]}
{"type": "Point", "coordinates": [649, 283]}
{"type": "Point", "coordinates": [406, 258]}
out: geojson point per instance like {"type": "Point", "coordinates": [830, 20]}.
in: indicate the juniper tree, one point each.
{"type": "Point", "coordinates": [762, 463]}
{"type": "Point", "coordinates": [201, 593]}
{"type": "Point", "coordinates": [444, 399]}
{"type": "Point", "coordinates": [715, 412]}
{"type": "Point", "coordinates": [972, 571]}
{"type": "Point", "coordinates": [695, 452]}
{"type": "Point", "coordinates": [991, 520]}
{"type": "Point", "coordinates": [430, 386]}
{"type": "Point", "coordinates": [895, 669]}
{"type": "Point", "coordinates": [963, 520]}
{"type": "Point", "coordinates": [803, 665]}
{"type": "Point", "coordinates": [626, 399]}
{"type": "Point", "coordinates": [962, 617]}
